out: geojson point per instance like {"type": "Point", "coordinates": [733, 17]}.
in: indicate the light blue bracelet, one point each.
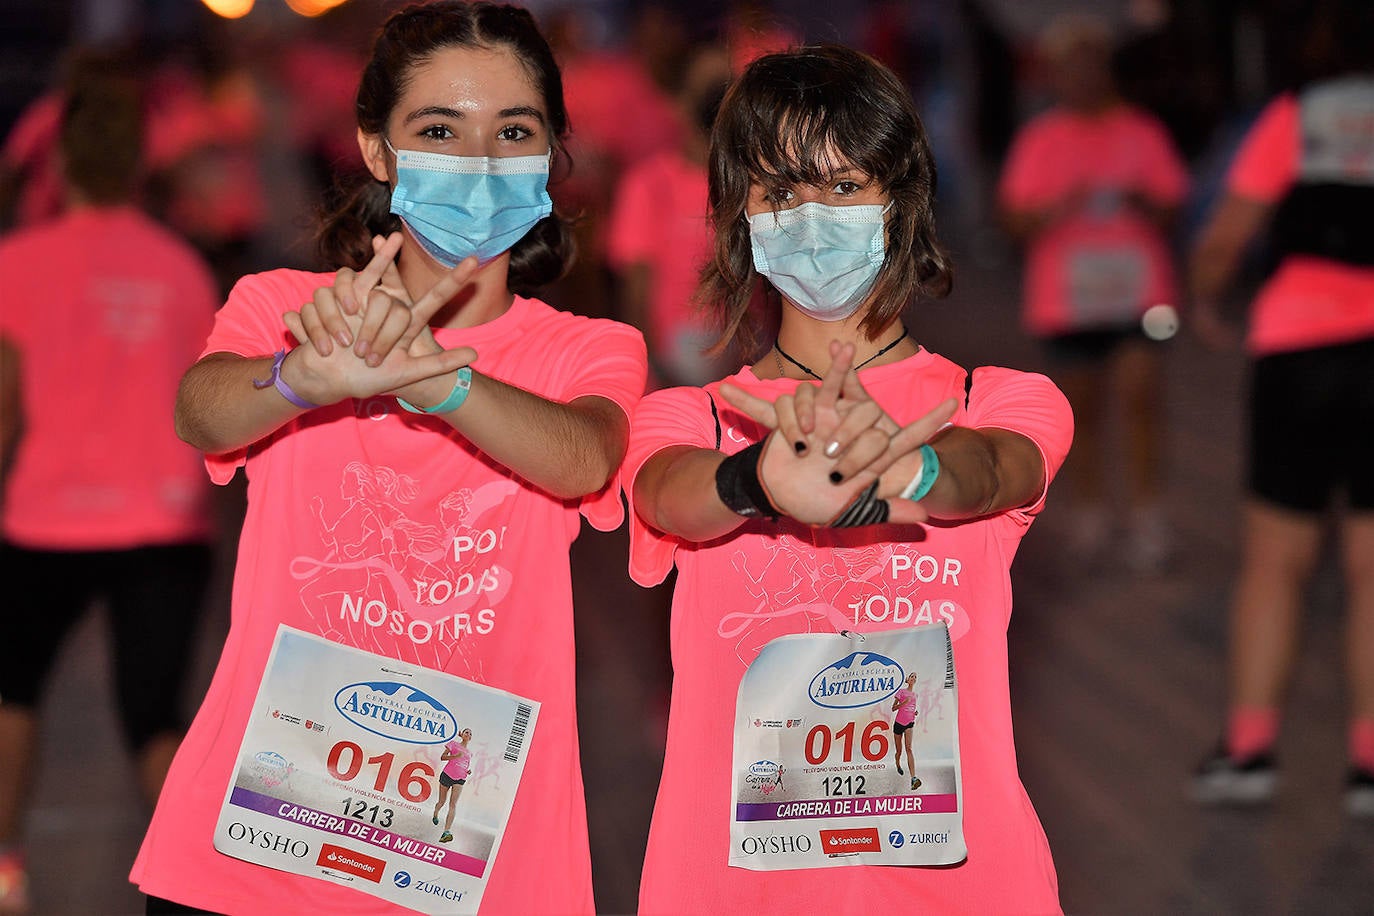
{"type": "Point", "coordinates": [922, 482]}
{"type": "Point", "coordinates": [455, 398]}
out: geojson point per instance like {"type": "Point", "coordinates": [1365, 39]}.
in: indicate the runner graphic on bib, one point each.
{"type": "Point", "coordinates": [831, 711]}
{"type": "Point", "coordinates": [342, 762]}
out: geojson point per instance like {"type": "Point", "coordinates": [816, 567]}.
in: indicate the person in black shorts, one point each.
{"type": "Point", "coordinates": [1305, 176]}
{"type": "Point", "coordinates": [103, 309]}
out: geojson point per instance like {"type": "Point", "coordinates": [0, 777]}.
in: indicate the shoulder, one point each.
{"type": "Point", "coordinates": [284, 285]}
{"type": "Point", "coordinates": [571, 326]}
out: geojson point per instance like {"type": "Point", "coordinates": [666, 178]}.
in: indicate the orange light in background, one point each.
{"type": "Point", "coordinates": [229, 9]}
{"type": "Point", "coordinates": [312, 8]}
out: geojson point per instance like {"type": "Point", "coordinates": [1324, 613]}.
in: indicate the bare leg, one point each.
{"type": "Point", "coordinates": [18, 727]}
{"type": "Point", "coordinates": [1358, 555]}
{"type": "Point", "coordinates": [439, 803]}
{"type": "Point", "coordinates": [452, 804]}
{"type": "Point", "coordinates": [1083, 386]}
{"type": "Point", "coordinates": [906, 741]}
{"type": "Point", "coordinates": [1280, 550]}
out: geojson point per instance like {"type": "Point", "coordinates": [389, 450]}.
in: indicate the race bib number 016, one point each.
{"type": "Point", "coordinates": [847, 753]}
{"type": "Point", "coordinates": [375, 774]}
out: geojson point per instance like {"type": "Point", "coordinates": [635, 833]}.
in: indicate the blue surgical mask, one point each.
{"type": "Point", "coordinates": [822, 258]}
{"type": "Point", "coordinates": [456, 206]}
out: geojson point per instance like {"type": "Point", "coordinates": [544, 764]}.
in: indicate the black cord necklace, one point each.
{"type": "Point", "coordinates": [783, 353]}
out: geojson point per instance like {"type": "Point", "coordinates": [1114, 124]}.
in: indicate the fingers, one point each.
{"type": "Point", "coordinates": [297, 328]}
{"type": "Point", "coordinates": [441, 363]}
{"type": "Point", "coordinates": [755, 408]}
{"type": "Point", "coordinates": [307, 319]}
{"type": "Point", "coordinates": [324, 322]}
{"type": "Point", "coordinates": [394, 325]}
{"type": "Point", "coordinates": [914, 435]}
{"type": "Point", "coordinates": [788, 425]}
{"type": "Point", "coordinates": [822, 401]}
{"type": "Point", "coordinates": [863, 416]}
{"type": "Point", "coordinates": [440, 294]}
{"type": "Point", "coordinates": [378, 306]}
{"type": "Point", "coordinates": [865, 448]}
{"type": "Point", "coordinates": [384, 257]}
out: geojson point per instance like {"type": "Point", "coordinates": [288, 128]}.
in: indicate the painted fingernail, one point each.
{"type": "Point", "coordinates": [800, 447]}
{"type": "Point", "coordinates": [832, 450]}
{"type": "Point", "coordinates": [836, 477]}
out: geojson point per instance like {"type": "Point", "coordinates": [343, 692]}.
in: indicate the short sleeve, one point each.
{"type": "Point", "coordinates": [610, 363]}
{"type": "Point", "coordinates": [665, 418]}
{"type": "Point", "coordinates": [1023, 185]}
{"type": "Point", "coordinates": [1027, 403]}
{"type": "Point", "coordinates": [1165, 174]}
{"type": "Point", "coordinates": [250, 325]}
{"type": "Point", "coordinates": [1266, 165]}
{"type": "Point", "coordinates": [630, 238]}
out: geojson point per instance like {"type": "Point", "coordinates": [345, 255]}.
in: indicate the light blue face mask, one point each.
{"type": "Point", "coordinates": [456, 206]}
{"type": "Point", "coordinates": [822, 258]}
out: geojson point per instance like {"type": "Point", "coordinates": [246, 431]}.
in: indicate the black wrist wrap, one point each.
{"type": "Point", "coordinates": [738, 486]}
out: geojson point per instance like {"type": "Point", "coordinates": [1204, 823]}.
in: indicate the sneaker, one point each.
{"type": "Point", "coordinates": [436, 820]}
{"type": "Point", "coordinates": [915, 783]}
{"type": "Point", "coordinates": [446, 838]}
{"type": "Point", "coordinates": [1359, 793]}
{"type": "Point", "coordinates": [899, 769]}
{"type": "Point", "coordinates": [1219, 780]}
{"type": "Point", "coordinates": [14, 883]}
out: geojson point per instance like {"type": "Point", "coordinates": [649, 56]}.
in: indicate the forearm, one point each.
{"type": "Point", "coordinates": [675, 492]}
{"type": "Point", "coordinates": [982, 472]}
{"type": "Point", "coordinates": [219, 410]}
{"type": "Point", "coordinates": [569, 450]}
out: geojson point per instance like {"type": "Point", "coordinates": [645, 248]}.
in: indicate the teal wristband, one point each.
{"type": "Point", "coordinates": [455, 398]}
{"type": "Point", "coordinates": [930, 469]}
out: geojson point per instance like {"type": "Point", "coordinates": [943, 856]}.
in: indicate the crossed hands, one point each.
{"type": "Point", "coordinates": [367, 337]}
{"type": "Point", "coordinates": [831, 441]}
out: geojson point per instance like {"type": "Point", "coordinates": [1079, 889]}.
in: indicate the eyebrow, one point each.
{"type": "Point", "coordinates": [438, 110]}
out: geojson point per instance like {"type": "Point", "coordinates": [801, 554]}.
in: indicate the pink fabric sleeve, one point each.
{"type": "Point", "coordinates": [1027, 403]}
{"type": "Point", "coordinates": [250, 325]}
{"type": "Point", "coordinates": [1166, 175]}
{"type": "Point", "coordinates": [631, 238]}
{"type": "Point", "coordinates": [1267, 162]}
{"type": "Point", "coordinates": [607, 360]}
{"type": "Point", "coordinates": [663, 419]}
{"type": "Point", "coordinates": [35, 134]}
{"type": "Point", "coordinates": [1021, 185]}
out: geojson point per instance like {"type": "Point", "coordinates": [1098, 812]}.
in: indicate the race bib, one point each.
{"type": "Point", "coordinates": [341, 775]}
{"type": "Point", "coordinates": [1106, 285]}
{"type": "Point", "coordinates": [821, 773]}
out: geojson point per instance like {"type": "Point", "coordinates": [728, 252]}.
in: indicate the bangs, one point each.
{"type": "Point", "coordinates": [797, 130]}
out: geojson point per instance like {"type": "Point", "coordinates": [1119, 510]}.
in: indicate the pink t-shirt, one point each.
{"type": "Point", "coordinates": [459, 765]}
{"type": "Point", "coordinates": [659, 219]}
{"type": "Point", "coordinates": [107, 309]}
{"type": "Point", "coordinates": [1106, 264]}
{"type": "Point", "coordinates": [736, 593]}
{"type": "Point", "coordinates": [1308, 301]}
{"type": "Point", "coordinates": [387, 531]}
{"type": "Point", "coordinates": [906, 706]}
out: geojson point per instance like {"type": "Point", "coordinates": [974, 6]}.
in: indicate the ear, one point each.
{"type": "Point", "coordinates": [374, 155]}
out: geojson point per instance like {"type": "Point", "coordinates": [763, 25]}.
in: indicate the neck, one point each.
{"type": "Point", "coordinates": [484, 298]}
{"type": "Point", "coordinates": [808, 343]}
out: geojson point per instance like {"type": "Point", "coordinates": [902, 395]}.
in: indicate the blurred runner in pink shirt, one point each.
{"type": "Point", "coordinates": [660, 238]}
{"type": "Point", "coordinates": [1091, 187]}
{"type": "Point", "coordinates": [101, 310]}
{"type": "Point", "coordinates": [1305, 173]}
